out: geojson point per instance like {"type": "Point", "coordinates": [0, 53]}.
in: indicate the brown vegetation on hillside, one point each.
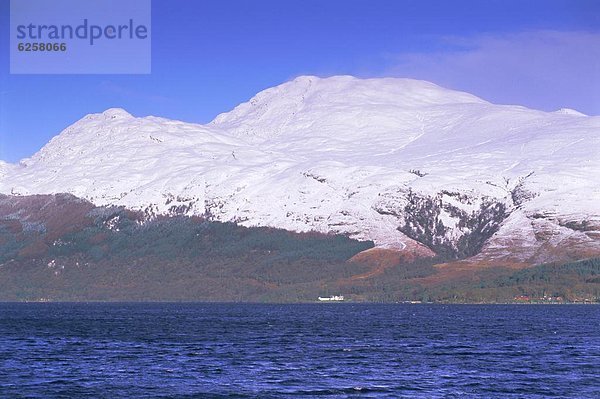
{"type": "Point", "coordinates": [62, 248]}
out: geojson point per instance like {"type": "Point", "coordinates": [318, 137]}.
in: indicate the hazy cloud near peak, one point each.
{"type": "Point", "coordinates": [540, 69]}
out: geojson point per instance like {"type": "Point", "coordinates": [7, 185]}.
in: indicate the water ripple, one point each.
{"type": "Point", "coordinates": [291, 351]}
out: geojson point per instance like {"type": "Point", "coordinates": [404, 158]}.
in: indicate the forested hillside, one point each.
{"type": "Point", "coordinates": [62, 248]}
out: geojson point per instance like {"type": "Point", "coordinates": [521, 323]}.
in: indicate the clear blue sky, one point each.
{"type": "Point", "coordinates": [210, 55]}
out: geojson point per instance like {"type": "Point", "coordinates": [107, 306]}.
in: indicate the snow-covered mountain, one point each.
{"type": "Point", "coordinates": [397, 161]}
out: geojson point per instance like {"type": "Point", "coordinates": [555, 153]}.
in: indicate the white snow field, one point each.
{"type": "Point", "coordinates": [356, 156]}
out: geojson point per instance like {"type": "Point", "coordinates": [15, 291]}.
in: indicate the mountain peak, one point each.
{"type": "Point", "coordinates": [313, 104]}
{"type": "Point", "coordinates": [116, 113]}
{"type": "Point", "coordinates": [402, 91]}
{"type": "Point", "coordinates": [569, 111]}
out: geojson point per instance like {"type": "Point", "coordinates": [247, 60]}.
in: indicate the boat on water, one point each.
{"type": "Point", "coordinates": [333, 298]}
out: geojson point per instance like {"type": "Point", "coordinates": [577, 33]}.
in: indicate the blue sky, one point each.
{"type": "Point", "coordinates": [208, 56]}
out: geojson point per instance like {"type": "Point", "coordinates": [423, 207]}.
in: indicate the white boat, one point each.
{"type": "Point", "coordinates": [333, 298]}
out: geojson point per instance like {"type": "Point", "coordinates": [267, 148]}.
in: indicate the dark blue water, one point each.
{"type": "Point", "coordinates": [280, 351]}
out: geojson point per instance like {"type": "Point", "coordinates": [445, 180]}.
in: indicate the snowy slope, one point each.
{"type": "Point", "coordinates": [381, 159]}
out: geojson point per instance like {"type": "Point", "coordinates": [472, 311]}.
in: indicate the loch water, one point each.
{"type": "Point", "coordinates": [326, 350]}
